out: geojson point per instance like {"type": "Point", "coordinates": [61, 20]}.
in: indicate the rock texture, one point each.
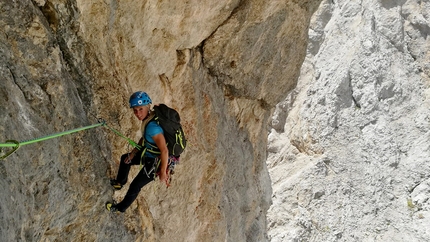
{"type": "Point", "coordinates": [223, 65]}
{"type": "Point", "coordinates": [349, 150]}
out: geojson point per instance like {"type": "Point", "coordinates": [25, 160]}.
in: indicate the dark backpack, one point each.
{"type": "Point", "coordinates": [170, 122]}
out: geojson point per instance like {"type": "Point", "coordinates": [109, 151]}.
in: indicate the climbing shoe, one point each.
{"type": "Point", "coordinates": [110, 206]}
{"type": "Point", "coordinates": [116, 185]}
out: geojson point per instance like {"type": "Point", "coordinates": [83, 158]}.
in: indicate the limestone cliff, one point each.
{"type": "Point", "coordinates": [223, 65]}
{"type": "Point", "coordinates": [349, 149]}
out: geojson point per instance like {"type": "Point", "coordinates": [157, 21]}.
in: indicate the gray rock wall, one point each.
{"type": "Point", "coordinates": [349, 148]}
{"type": "Point", "coordinates": [223, 65]}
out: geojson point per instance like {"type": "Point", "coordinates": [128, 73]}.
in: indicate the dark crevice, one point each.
{"type": "Point", "coordinates": [13, 76]}
{"type": "Point", "coordinates": [50, 14]}
{"type": "Point", "coordinates": [233, 13]}
{"type": "Point", "coordinates": [356, 103]}
{"type": "Point", "coordinates": [64, 28]}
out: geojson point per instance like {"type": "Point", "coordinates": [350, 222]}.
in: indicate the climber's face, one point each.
{"type": "Point", "coordinates": [141, 112]}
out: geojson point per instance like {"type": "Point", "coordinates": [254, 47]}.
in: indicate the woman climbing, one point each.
{"type": "Point", "coordinates": [152, 134]}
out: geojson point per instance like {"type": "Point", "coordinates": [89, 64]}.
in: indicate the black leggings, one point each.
{"type": "Point", "coordinates": [138, 182]}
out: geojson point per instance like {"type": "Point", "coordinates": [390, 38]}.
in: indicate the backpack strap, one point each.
{"type": "Point", "coordinates": [145, 122]}
{"type": "Point", "coordinates": [151, 148]}
{"type": "Point", "coordinates": [148, 146]}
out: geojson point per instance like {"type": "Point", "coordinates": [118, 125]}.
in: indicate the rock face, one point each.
{"type": "Point", "coordinates": [349, 149]}
{"type": "Point", "coordinates": [223, 65]}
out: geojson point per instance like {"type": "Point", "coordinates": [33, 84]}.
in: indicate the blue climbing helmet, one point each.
{"type": "Point", "coordinates": [139, 99]}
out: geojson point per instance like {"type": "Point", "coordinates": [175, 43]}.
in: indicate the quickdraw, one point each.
{"type": "Point", "coordinates": [15, 146]}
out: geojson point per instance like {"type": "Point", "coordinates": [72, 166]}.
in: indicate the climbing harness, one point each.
{"type": "Point", "coordinates": [15, 144]}
{"type": "Point", "coordinates": [171, 163]}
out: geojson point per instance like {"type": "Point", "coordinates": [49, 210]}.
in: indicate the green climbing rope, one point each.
{"type": "Point", "coordinates": [52, 136]}
{"type": "Point", "coordinates": [131, 142]}
{"type": "Point", "coordinates": [15, 144]}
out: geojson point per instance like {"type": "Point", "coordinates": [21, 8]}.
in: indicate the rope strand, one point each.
{"type": "Point", "coordinates": [16, 144]}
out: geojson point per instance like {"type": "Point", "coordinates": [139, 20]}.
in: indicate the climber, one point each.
{"type": "Point", "coordinates": [140, 102]}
